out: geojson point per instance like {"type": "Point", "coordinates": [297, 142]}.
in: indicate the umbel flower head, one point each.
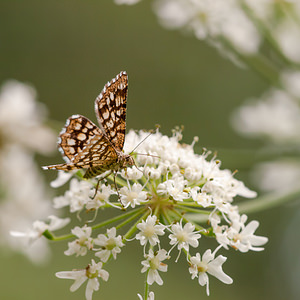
{"type": "Point", "coordinates": [161, 197]}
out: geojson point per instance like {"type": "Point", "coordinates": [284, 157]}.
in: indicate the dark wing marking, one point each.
{"type": "Point", "coordinates": [97, 154]}
{"type": "Point", "coordinates": [76, 134]}
{"type": "Point", "coordinates": [110, 108]}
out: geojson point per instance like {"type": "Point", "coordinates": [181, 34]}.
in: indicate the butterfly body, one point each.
{"type": "Point", "coordinates": [98, 149]}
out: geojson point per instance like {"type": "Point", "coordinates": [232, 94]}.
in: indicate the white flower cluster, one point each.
{"type": "Point", "coordinates": [24, 196]}
{"type": "Point", "coordinates": [274, 117]}
{"type": "Point", "coordinates": [235, 27]}
{"type": "Point", "coordinates": [165, 193]}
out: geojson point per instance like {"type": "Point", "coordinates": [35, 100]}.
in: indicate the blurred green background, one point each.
{"type": "Point", "coordinates": [68, 50]}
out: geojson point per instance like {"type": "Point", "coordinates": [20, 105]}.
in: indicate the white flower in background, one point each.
{"type": "Point", "coordinates": [29, 241]}
{"type": "Point", "coordinates": [210, 19]}
{"type": "Point", "coordinates": [291, 82]}
{"type": "Point", "coordinates": [21, 119]}
{"type": "Point", "coordinates": [24, 199]}
{"type": "Point", "coordinates": [279, 176]}
{"type": "Point", "coordinates": [150, 297]}
{"type": "Point", "coordinates": [110, 244]}
{"type": "Point", "coordinates": [128, 2]}
{"type": "Point", "coordinates": [91, 273]}
{"type": "Point", "coordinates": [287, 35]}
{"type": "Point", "coordinates": [149, 231]}
{"type": "Point", "coordinates": [39, 227]}
{"type": "Point", "coordinates": [153, 264]}
{"type": "Point", "coordinates": [262, 9]}
{"type": "Point", "coordinates": [81, 245]}
{"type": "Point", "coordinates": [275, 115]}
{"type": "Point", "coordinates": [208, 264]}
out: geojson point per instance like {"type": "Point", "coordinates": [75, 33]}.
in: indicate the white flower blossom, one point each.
{"type": "Point", "coordinates": [149, 231]}
{"type": "Point", "coordinates": [110, 244]}
{"type": "Point", "coordinates": [208, 264]}
{"type": "Point", "coordinates": [202, 198]}
{"type": "Point", "coordinates": [30, 241]}
{"type": "Point", "coordinates": [184, 236]}
{"type": "Point", "coordinates": [150, 296]}
{"type": "Point", "coordinates": [90, 273]}
{"type": "Point", "coordinates": [174, 188]}
{"type": "Point", "coordinates": [22, 117]}
{"type": "Point", "coordinates": [132, 196]}
{"type": "Point", "coordinates": [76, 197]}
{"type": "Point", "coordinates": [275, 115]}
{"type": "Point", "coordinates": [61, 179]}
{"type": "Point", "coordinates": [242, 237]}
{"type": "Point", "coordinates": [101, 197]}
{"type": "Point", "coordinates": [153, 264]}
{"type": "Point", "coordinates": [39, 227]}
{"type": "Point", "coordinates": [84, 242]}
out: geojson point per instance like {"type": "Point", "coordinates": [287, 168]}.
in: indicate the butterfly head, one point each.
{"type": "Point", "coordinates": [128, 161]}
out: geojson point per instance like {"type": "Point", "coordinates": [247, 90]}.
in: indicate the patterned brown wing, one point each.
{"type": "Point", "coordinates": [75, 135]}
{"type": "Point", "coordinates": [97, 156]}
{"type": "Point", "coordinates": [110, 108]}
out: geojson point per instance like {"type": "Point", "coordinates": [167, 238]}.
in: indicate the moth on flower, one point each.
{"type": "Point", "coordinates": [99, 150]}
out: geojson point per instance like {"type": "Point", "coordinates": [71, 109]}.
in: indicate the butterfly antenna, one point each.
{"type": "Point", "coordinates": [147, 154]}
{"type": "Point", "coordinates": [151, 132]}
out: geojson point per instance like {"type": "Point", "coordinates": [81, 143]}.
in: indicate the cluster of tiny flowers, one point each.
{"type": "Point", "coordinates": [164, 196]}
{"type": "Point", "coordinates": [275, 118]}
{"type": "Point", "coordinates": [237, 28]}
{"type": "Point", "coordinates": [23, 198]}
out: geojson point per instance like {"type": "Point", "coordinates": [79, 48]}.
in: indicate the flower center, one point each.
{"type": "Point", "coordinates": [149, 231]}
{"type": "Point", "coordinates": [202, 267]}
{"type": "Point", "coordinates": [90, 274]}
{"type": "Point", "coordinates": [154, 263]}
{"type": "Point", "coordinates": [182, 236]}
{"type": "Point", "coordinates": [132, 196]}
{"type": "Point", "coordinates": [111, 244]}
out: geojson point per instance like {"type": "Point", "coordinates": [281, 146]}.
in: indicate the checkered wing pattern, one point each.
{"type": "Point", "coordinates": [110, 108]}
{"type": "Point", "coordinates": [76, 135]}
{"type": "Point", "coordinates": [84, 145]}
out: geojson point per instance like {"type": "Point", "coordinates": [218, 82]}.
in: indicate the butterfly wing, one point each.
{"type": "Point", "coordinates": [76, 134]}
{"type": "Point", "coordinates": [110, 108]}
{"type": "Point", "coordinates": [84, 146]}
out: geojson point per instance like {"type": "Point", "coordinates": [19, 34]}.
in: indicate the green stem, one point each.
{"type": "Point", "coordinates": [268, 201]}
{"type": "Point", "coordinates": [117, 218]}
{"type": "Point", "coordinates": [146, 287]}
{"type": "Point", "coordinates": [52, 237]}
{"type": "Point", "coordinates": [193, 210]}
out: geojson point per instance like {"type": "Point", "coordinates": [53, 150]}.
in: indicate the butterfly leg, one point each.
{"type": "Point", "coordinates": [98, 183]}
{"type": "Point", "coordinates": [117, 189]}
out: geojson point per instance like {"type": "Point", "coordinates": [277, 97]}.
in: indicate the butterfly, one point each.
{"type": "Point", "coordinates": [84, 145]}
